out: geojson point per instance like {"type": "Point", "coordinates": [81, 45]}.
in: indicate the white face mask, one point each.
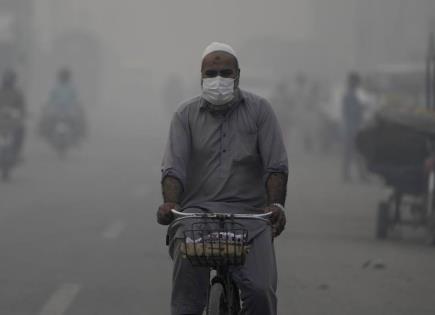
{"type": "Point", "coordinates": [218, 90]}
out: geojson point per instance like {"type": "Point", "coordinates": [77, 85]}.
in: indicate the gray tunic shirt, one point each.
{"type": "Point", "coordinates": [223, 161]}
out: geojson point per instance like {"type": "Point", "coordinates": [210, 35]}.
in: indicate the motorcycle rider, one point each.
{"type": "Point", "coordinates": [12, 98]}
{"type": "Point", "coordinates": [64, 102]}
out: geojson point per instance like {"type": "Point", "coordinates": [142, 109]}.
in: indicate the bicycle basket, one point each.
{"type": "Point", "coordinates": [213, 244]}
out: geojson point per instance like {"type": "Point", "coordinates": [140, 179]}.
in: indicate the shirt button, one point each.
{"type": "Point", "coordinates": [224, 151]}
{"type": "Point", "coordinates": [224, 135]}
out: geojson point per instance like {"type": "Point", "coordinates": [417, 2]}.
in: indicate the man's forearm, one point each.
{"type": "Point", "coordinates": [172, 189]}
{"type": "Point", "coordinates": [276, 187]}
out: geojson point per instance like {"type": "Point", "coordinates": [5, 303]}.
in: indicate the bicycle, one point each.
{"type": "Point", "coordinates": [218, 241]}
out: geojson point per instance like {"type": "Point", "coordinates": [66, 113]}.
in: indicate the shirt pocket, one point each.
{"type": "Point", "coordinates": [245, 146]}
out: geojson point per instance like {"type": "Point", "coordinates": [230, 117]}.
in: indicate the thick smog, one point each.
{"type": "Point", "coordinates": [217, 157]}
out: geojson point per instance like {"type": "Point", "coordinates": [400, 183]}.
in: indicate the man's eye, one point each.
{"type": "Point", "coordinates": [211, 73]}
{"type": "Point", "coordinates": [226, 73]}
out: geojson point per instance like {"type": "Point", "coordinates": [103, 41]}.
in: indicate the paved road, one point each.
{"type": "Point", "coordinates": [78, 237]}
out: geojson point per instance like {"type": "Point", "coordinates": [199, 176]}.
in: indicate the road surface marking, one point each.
{"type": "Point", "coordinates": [114, 230]}
{"type": "Point", "coordinates": [61, 299]}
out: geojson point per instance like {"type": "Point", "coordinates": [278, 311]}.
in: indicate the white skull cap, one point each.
{"type": "Point", "coordinates": [216, 46]}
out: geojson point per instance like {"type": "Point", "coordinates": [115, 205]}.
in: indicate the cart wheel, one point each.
{"type": "Point", "coordinates": [382, 223]}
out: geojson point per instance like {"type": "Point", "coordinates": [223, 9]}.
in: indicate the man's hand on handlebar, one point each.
{"type": "Point", "coordinates": [277, 219]}
{"type": "Point", "coordinates": [164, 214]}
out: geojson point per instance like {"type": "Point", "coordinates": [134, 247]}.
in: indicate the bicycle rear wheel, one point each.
{"type": "Point", "coordinates": [217, 304]}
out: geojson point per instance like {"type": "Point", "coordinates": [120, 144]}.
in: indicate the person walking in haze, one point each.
{"type": "Point", "coordinates": [12, 98]}
{"type": "Point", "coordinates": [225, 153]}
{"type": "Point", "coordinates": [353, 115]}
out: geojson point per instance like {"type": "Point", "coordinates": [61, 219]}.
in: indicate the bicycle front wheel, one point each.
{"type": "Point", "coordinates": [217, 302]}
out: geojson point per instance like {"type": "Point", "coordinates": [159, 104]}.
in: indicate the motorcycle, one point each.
{"type": "Point", "coordinates": [62, 135]}
{"type": "Point", "coordinates": [63, 129]}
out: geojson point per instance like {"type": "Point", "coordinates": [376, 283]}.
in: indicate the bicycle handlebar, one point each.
{"type": "Point", "coordinates": [221, 215]}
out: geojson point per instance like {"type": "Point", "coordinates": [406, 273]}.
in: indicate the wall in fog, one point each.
{"type": "Point", "coordinates": [16, 37]}
{"type": "Point", "coordinates": [392, 31]}
{"type": "Point", "coordinates": [334, 35]}
{"type": "Point", "coordinates": [148, 43]}
{"type": "Point", "coordinates": [159, 38]}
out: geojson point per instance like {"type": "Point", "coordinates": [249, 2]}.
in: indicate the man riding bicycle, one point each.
{"type": "Point", "coordinates": [225, 153]}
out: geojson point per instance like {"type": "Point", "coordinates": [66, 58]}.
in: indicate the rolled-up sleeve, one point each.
{"type": "Point", "coordinates": [270, 142]}
{"type": "Point", "coordinates": [177, 152]}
